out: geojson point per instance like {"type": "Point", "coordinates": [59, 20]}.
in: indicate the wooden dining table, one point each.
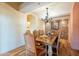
{"type": "Point", "coordinates": [48, 40]}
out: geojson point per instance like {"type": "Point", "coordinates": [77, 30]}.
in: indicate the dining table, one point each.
{"type": "Point", "coordinates": [47, 40]}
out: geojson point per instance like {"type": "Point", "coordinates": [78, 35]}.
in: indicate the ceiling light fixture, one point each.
{"type": "Point", "coordinates": [46, 17]}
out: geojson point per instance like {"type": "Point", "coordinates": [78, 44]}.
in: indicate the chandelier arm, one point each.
{"type": "Point", "coordinates": [47, 12]}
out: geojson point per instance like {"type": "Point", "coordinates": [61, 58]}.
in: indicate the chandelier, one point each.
{"type": "Point", "coordinates": [46, 19]}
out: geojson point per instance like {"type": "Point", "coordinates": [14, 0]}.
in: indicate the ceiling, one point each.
{"type": "Point", "coordinates": [39, 8]}
{"type": "Point", "coordinates": [15, 5]}
{"type": "Point", "coordinates": [30, 6]}
{"type": "Point", "coordinates": [55, 8]}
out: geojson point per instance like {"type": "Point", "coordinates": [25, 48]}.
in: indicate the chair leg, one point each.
{"type": "Point", "coordinates": [57, 52]}
{"type": "Point", "coordinates": [46, 49]}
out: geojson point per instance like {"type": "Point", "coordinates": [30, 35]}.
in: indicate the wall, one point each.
{"type": "Point", "coordinates": [35, 23]}
{"type": "Point", "coordinates": [74, 27]}
{"type": "Point", "coordinates": [12, 28]}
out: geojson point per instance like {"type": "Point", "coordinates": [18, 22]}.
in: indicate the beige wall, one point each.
{"type": "Point", "coordinates": [12, 28]}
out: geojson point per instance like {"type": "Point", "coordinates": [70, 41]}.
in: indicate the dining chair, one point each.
{"type": "Point", "coordinates": [35, 34]}
{"type": "Point", "coordinates": [31, 46]}
{"type": "Point", "coordinates": [56, 45]}
{"type": "Point", "coordinates": [29, 43]}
